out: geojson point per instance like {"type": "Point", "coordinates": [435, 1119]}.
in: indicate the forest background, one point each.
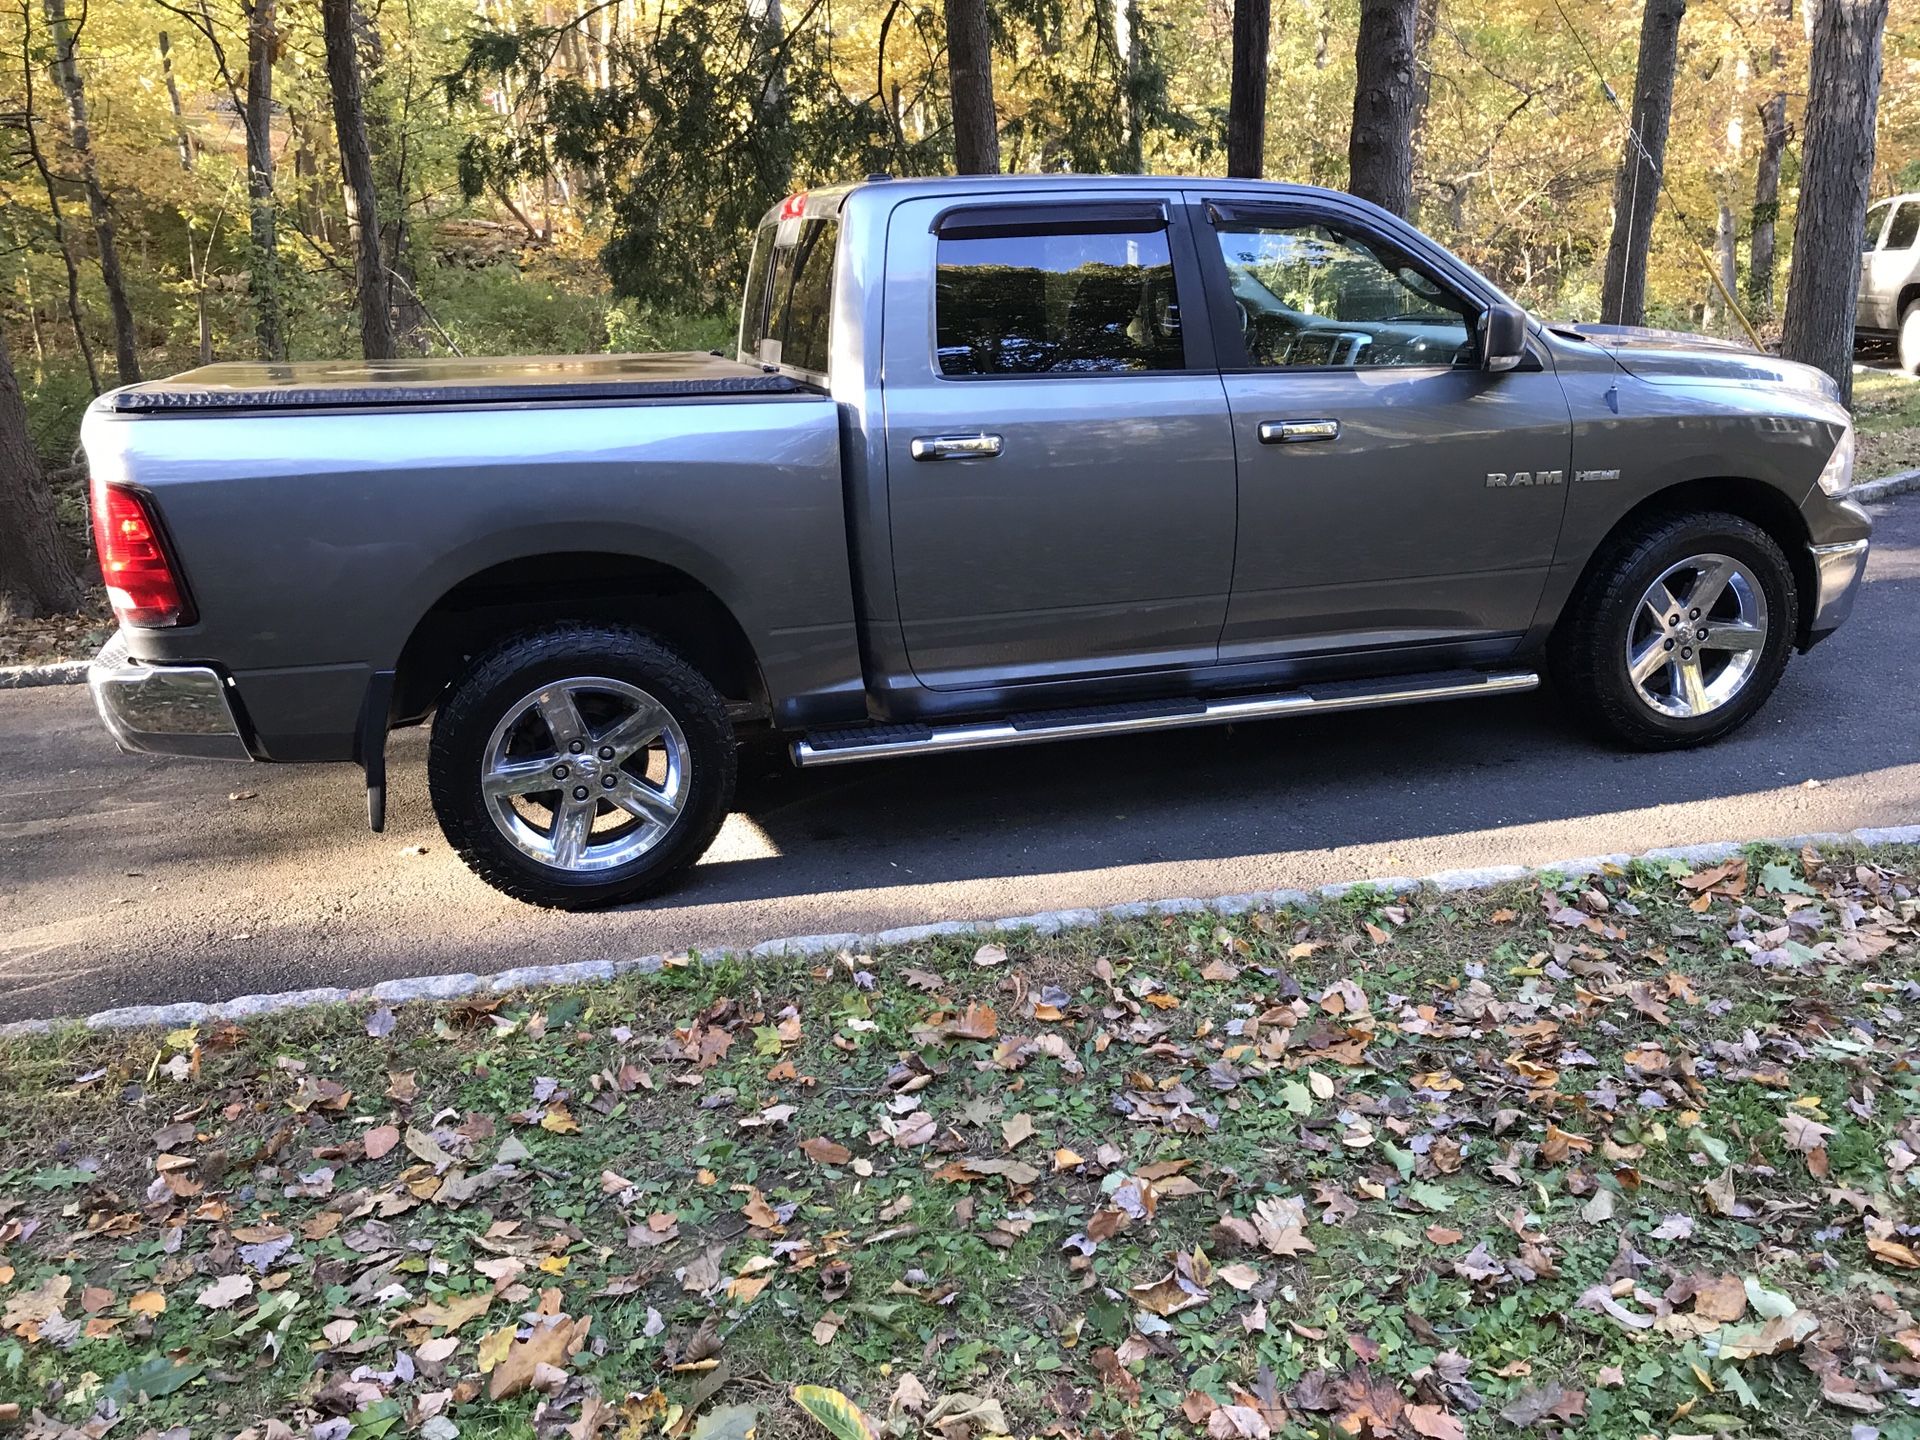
{"type": "Point", "coordinates": [180, 179]}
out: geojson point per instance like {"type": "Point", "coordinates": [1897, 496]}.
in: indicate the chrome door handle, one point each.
{"type": "Point", "coordinates": [977, 446]}
{"type": "Point", "coordinates": [1288, 432]}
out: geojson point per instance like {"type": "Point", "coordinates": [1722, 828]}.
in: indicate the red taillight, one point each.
{"type": "Point", "coordinates": [141, 585]}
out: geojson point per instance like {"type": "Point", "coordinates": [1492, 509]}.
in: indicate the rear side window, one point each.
{"type": "Point", "coordinates": [1095, 303]}
{"type": "Point", "coordinates": [1905, 227]}
{"type": "Point", "coordinates": [786, 317]}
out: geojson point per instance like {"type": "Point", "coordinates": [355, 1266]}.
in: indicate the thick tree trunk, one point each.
{"type": "Point", "coordinates": [1380, 148]}
{"type": "Point", "coordinates": [36, 572]}
{"type": "Point", "coordinates": [976, 127]}
{"type": "Point", "coordinates": [1766, 202]}
{"type": "Point", "coordinates": [356, 165]}
{"type": "Point", "coordinates": [1636, 190]}
{"type": "Point", "coordinates": [126, 344]}
{"type": "Point", "coordinates": [269, 321]}
{"type": "Point", "coordinates": [1247, 100]}
{"type": "Point", "coordinates": [1836, 172]}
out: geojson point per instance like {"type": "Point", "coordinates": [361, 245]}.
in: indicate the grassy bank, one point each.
{"type": "Point", "coordinates": [1617, 1157]}
{"type": "Point", "coordinates": [1886, 415]}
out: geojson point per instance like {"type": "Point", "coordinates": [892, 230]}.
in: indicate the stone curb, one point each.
{"type": "Point", "coordinates": [60, 672]}
{"type": "Point", "coordinates": [1046, 922]}
{"type": "Point", "coordinates": [1886, 487]}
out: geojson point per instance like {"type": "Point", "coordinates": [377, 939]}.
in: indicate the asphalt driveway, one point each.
{"type": "Point", "coordinates": [127, 880]}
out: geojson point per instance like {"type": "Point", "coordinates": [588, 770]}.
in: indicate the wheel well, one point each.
{"type": "Point", "coordinates": [535, 590]}
{"type": "Point", "coordinates": [1907, 297]}
{"type": "Point", "coordinates": [1751, 500]}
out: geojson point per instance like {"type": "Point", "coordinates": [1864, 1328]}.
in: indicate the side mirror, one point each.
{"type": "Point", "coordinates": [1503, 337]}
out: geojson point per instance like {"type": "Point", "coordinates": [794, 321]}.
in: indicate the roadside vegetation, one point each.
{"type": "Point", "coordinates": [1886, 416]}
{"type": "Point", "coordinates": [1635, 1154]}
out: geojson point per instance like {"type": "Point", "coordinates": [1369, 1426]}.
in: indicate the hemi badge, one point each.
{"type": "Point", "coordinates": [1581, 476]}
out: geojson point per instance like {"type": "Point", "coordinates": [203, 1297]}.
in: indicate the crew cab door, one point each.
{"type": "Point", "coordinates": [1393, 495]}
{"type": "Point", "coordinates": [1060, 472]}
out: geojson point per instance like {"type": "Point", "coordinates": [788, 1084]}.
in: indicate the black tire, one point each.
{"type": "Point", "coordinates": [463, 732]}
{"type": "Point", "coordinates": [1587, 656]}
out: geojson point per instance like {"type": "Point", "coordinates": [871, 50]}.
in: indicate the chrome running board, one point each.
{"type": "Point", "coordinates": [873, 742]}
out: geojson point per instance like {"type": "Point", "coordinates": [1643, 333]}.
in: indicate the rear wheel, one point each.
{"type": "Point", "coordinates": [1910, 338]}
{"type": "Point", "coordinates": [581, 766]}
{"type": "Point", "coordinates": [1679, 633]}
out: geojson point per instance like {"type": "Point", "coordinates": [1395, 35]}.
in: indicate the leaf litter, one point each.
{"type": "Point", "coordinates": [1633, 1154]}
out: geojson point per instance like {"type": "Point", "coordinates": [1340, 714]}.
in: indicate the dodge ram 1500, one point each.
{"type": "Point", "coordinates": [997, 460]}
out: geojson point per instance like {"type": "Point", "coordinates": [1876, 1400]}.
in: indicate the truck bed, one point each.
{"type": "Point", "coordinates": [379, 384]}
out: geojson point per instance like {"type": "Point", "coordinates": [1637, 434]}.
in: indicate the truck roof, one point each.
{"type": "Point", "coordinates": [824, 199]}
{"type": "Point", "coordinates": [330, 384]}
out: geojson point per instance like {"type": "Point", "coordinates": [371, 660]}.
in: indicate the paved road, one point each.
{"type": "Point", "coordinates": [126, 880]}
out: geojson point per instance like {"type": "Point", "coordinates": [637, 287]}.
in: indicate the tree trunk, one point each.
{"type": "Point", "coordinates": [1636, 189]}
{"type": "Point", "coordinates": [1766, 202]}
{"type": "Point", "coordinates": [1836, 172]}
{"type": "Point", "coordinates": [387, 138]}
{"type": "Point", "coordinates": [1775, 132]}
{"type": "Point", "coordinates": [36, 571]}
{"type": "Point", "coordinates": [1247, 100]}
{"type": "Point", "coordinates": [1126, 50]}
{"type": "Point", "coordinates": [1425, 21]}
{"type": "Point", "coordinates": [30, 131]}
{"type": "Point", "coordinates": [264, 272]}
{"type": "Point", "coordinates": [126, 343]}
{"type": "Point", "coordinates": [356, 165]}
{"type": "Point", "coordinates": [976, 128]}
{"type": "Point", "coordinates": [1380, 148]}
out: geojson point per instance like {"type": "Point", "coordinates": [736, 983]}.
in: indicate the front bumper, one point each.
{"type": "Point", "coordinates": [1837, 570]}
{"type": "Point", "coordinates": [164, 709]}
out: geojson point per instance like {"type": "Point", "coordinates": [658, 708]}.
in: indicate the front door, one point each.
{"type": "Point", "coordinates": [1060, 471]}
{"type": "Point", "coordinates": [1393, 495]}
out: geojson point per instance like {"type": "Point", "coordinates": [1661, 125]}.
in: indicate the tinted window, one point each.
{"type": "Point", "coordinates": [1310, 295]}
{"type": "Point", "coordinates": [786, 320]}
{"type": "Point", "coordinates": [1906, 225]}
{"type": "Point", "coordinates": [1048, 304]}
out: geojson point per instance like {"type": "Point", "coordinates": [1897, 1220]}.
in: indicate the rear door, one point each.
{"type": "Point", "coordinates": [1393, 495]}
{"type": "Point", "coordinates": [1060, 469]}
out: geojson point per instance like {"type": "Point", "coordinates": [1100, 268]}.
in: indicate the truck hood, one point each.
{"type": "Point", "coordinates": [1677, 357]}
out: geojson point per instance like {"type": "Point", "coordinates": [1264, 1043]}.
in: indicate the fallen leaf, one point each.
{"type": "Point", "coordinates": [225, 1291]}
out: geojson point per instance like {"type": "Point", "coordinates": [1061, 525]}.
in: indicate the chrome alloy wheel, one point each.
{"type": "Point", "coordinates": [585, 774]}
{"type": "Point", "coordinates": [1697, 635]}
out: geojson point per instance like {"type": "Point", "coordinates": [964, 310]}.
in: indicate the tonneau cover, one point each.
{"type": "Point", "coordinates": [354, 384]}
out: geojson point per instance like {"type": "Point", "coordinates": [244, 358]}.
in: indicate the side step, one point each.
{"type": "Point", "coordinates": [873, 742]}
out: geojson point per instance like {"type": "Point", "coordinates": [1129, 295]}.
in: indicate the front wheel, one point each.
{"type": "Point", "coordinates": [581, 766]}
{"type": "Point", "coordinates": [1679, 633]}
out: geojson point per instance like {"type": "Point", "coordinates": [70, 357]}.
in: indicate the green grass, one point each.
{"type": "Point", "coordinates": [1886, 417]}
{"type": "Point", "coordinates": [1462, 1077]}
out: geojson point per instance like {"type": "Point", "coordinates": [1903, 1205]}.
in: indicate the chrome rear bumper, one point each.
{"type": "Point", "coordinates": [1837, 569]}
{"type": "Point", "coordinates": [164, 709]}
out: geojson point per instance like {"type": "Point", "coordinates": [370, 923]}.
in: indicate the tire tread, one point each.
{"type": "Point", "coordinates": [471, 834]}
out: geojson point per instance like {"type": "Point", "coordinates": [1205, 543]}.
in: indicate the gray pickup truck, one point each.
{"type": "Point", "coordinates": [999, 460]}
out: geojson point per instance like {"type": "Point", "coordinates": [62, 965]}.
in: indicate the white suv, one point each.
{"type": "Point", "coordinates": [1889, 301]}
